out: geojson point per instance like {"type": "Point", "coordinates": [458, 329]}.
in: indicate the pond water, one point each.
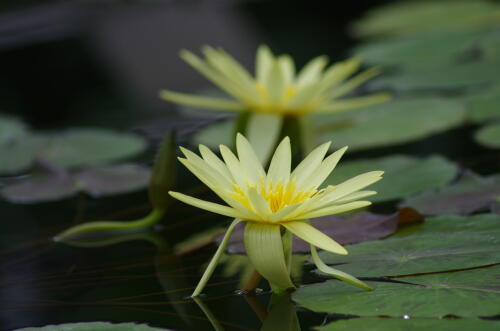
{"type": "Point", "coordinates": [437, 140]}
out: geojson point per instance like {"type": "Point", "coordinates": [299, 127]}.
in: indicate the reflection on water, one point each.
{"type": "Point", "coordinates": [125, 277]}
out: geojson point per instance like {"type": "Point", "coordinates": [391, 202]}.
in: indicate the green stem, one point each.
{"type": "Point", "coordinates": [102, 226]}
{"type": "Point", "coordinates": [215, 259]}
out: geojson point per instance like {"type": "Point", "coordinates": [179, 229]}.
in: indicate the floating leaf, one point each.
{"type": "Point", "coordinates": [19, 154]}
{"type": "Point", "coordinates": [419, 254]}
{"type": "Point", "coordinates": [403, 175]}
{"type": "Point", "coordinates": [94, 326]}
{"type": "Point", "coordinates": [97, 182]}
{"type": "Point", "coordinates": [470, 293]}
{"type": "Point", "coordinates": [416, 17]}
{"type": "Point", "coordinates": [471, 193]}
{"type": "Point", "coordinates": [449, 76]}
{"type": "Point", "coordinates": [439, 47]}
{"type": "Point", "coordinates": [40, 189]}
{"type": "Point", "coordinates": [10, 128]}
{"type": "Point", "coordinates": [489, 136]}
{"type": "Point", "coordinates": [112, 179]}
{"type": "Point", "coordinates": [452, 224]}
{"type": "Point", "coordinates": [483, 105]}
{"type": "Point", "coordinates": [384, 324]}
{"type": "Point", "coordinates": [91, 146]}
{"type": "Point", "coordinates": [388, 124]}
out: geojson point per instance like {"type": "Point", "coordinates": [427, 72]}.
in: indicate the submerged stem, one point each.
{"type": "Point", "coordinates": [215, 259]}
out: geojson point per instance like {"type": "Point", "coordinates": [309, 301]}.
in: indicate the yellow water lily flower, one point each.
{"type": "Point", "coordinates": [275, 201]}
{"type": "Point", "coordinates": [276, 88]}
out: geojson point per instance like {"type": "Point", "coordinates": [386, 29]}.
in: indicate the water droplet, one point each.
{"type": "Point", "coordinates": [406, 317]}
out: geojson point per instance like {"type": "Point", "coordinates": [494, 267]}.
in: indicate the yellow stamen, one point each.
{"type": "Point", "coordinates": [277, 195]}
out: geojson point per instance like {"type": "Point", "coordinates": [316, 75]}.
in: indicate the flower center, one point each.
{"type": "Point", "coordinates": [268, 105]}
{"type": "Point", "coordinates": [277, 195]}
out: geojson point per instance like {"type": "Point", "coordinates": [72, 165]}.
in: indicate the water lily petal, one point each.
{"type": "Point", "coordinates": [207, 171]}
{"type": "Point", "coordinates": [279, 169]}
{"type": "Point", "coordinates": [263, 131]}
{"type": "Point", "coordinates": [259, 204]}
{"type": "Point", "coordinates": [275, 82]}
{"type": "Point", "coordinates": [354, 82]}
{"type": "Point", "coordinates": [234, 166]}
{"type": "Point", "coordinates": [355, 196]}
{"type": "Point", "coordinates": [313, 236]}
{"type": "Point", "coordinates": [337, 273]}
{"type": "Point", "coordinates": [231, 69]}
{"type": "Point", "coordinates": [309, 164]}
{"type": "Point", "coordinates": [316, 178]}
{"type": "Point", "coordinates": [206, 205]}
{"type": "Point", "coordinates": [265, 250]}
{"type": "Point", "coordinates": [248, 159]}
{"type": "Point", "coordinates": [358, 102]}
{"type": "Point", "coordinates": [287, 68]}
{"type": "Point", "coordinates": [311, 71]}
{"type": "Point", "coordinates": [215, 162]}
{"type": "Point", "coordinates": [214, 76]}
{"type": "Point", "coordinates": [351, 185]}
{"type": "Point", "coordinates": [335, 209]}
{"type": "Point", "coordinates": [201, 101]}
{"type": "Point", "coordinates": [337, 73]}
{"type": "Point", "coordinates": [263, 63]}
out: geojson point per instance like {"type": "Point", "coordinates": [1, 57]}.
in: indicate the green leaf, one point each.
{"type": "Point", "coordinates": [97, 182]}
{"type": "Point", "coordinates": [403, 175]}
{"type": "Point", "coordinates": [420, 254]}
{"type": "Point", "coordinates": [91, 146]}
{"type": "Point", "coordinates": [489, 135]}
{"type": "Point", "coordinates": [410, 324]}
{"type": "Point", "coordinates": [470, 293]}
{"type": "Point", "coordinates": [469, 194]}
{"type": "Point", "coordinates": [391, 123]}
{"type": "Point", "coordinates": [10, 128]}
{"type": "Point", "coordinates": [437, 48]}
{"type": "Point", "coordinates": [451, 76]}
{"type": "Point", "coordinates": [417, 17]}
{"type": "Point", "coordinates": [112, 179]}
{"type": "Point", "coordinates": [483, 105]}
{"type": "Point", "coordinates": [452, 224]}
{"type": "Point", "coordinates": [94, 326]}
{"type": "Point", "coordinates": [19, 154]}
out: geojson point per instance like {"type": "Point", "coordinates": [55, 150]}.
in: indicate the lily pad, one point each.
{"type": "Point", "coordinates": [403, 176]}
{"type": "Point", "coordinates": [94, 326]}
{"type": "Point", "coordinates": [470, 293]}
{"type": "Point", "coordinates": [411, 324]}
{"type": "Point", "coordinates": [10, 128]}
{"type": "Point", "coordinates": [452, 224]}
{"type": "Point", "coordinates": [440, 47]}
{"type": "Point", "coordinates": [471, 193]}
{"type": "Point", "coordinates": [387, 124]}
{"type": "Point", "coordinates": [451, 76]}
{"type": "Point", "coordinates": [97, 182]}
{"type": "Point", "coordinates": [484, 105]}
{"type": "Point", "coordinates": [416, 17]}
{"type": "Point", "coordinates": [91, 146]}
{"type": "Point", "coordinates": [19, 154]}
{"type": "Point", "coordinates": [419, 254]}
{"type": "Point", "coordinates": [489, 136]}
